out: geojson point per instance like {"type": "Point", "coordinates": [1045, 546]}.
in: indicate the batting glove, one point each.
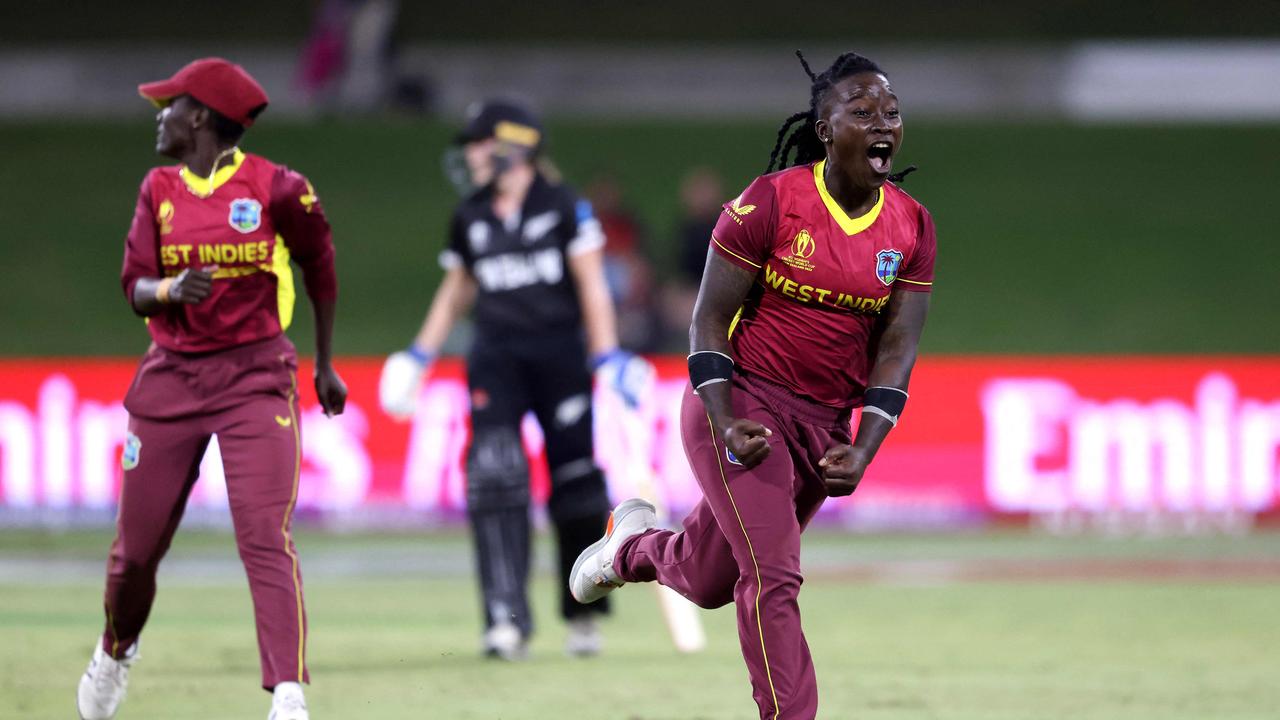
{"type": "Point", "coordinates": [401, 381]}
{"type": "Point", "coordinates": [630, 376]}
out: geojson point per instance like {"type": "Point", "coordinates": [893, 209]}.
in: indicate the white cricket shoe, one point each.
{"type": "Point", "coordinates": [505, 641]}
{"type": "Point", "coordinates": [288, 703]}
{"type": "Point", "coordinates": [584, 637]}
{"type": "Point", "coordinates": [593, 576]}
{"type": "Point", "coordinates": [104, 683]}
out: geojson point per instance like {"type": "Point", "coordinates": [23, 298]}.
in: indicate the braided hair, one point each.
{"type": "Point", "coordinates": [798, 142]}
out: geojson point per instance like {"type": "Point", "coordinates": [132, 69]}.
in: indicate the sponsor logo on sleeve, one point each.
{"type": "Point", "coordinates": [309, 199]}
{"type": "Point", "coordinates": [887, 263]}
{"type": "Point", "coordinates": [245, 215]}
{"type": "Point", "coordinates": [736, 210]}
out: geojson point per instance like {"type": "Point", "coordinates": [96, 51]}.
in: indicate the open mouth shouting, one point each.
{"type": "Point", "coordinates": [880, 156]}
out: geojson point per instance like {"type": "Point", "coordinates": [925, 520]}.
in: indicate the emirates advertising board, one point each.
{"type": "Point", "coordinates": [1061, 440]}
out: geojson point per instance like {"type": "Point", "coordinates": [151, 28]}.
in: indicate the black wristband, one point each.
{"type": "Point", "coordinates": [887, 402]}
{"type": "Point", "coordinates": [708, 366]}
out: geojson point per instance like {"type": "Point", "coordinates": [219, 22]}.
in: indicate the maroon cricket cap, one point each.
{"type": "Point", "coordinates": [219, 84]}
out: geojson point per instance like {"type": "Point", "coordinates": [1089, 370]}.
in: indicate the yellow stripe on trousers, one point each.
{"type": "Point", "coordinates": [111, 620]}
{"type": "Point", "coordinates": [284, 525]}
{"type": "Point", "coordinates": [777, 711]}
{"type": "Point", "coordinates": [115, 639]}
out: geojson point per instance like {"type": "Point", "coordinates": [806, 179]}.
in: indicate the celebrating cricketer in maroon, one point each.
{"type": "Point", "coordinates": [812, 304]}
{"type": "Point", "coordinates": [207, 263]}
{"type": "Point", "coordinates": [823, 279]}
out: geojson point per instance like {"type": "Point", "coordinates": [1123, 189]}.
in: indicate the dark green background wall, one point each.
{"type": "Point", "coordinates": [1052, 238]}
{"type": "Point", "coordinates": [813, 21]}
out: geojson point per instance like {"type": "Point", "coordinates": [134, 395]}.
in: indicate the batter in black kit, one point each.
{"type": "Point", "coordinates": [528, 252]}
{"type": "Point", "coordinates": [528, 355]}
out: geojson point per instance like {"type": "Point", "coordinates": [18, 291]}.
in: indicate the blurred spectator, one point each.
{"type": "Point", "coordinates": [324, 53]}
{"type": "Point", "coordinates": [701, 196]}
{"type": "Point", "coordinates": [627, 269]}
{"type": "Point", "coordinates": [349, 62]}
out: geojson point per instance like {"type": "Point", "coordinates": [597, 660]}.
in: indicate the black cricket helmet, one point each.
{"type": "Point", "coordinates": [505, 120]}
{"type": "Point", "coordinates": [516, 128]}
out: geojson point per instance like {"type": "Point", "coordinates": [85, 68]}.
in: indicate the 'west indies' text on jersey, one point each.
{"type": "Point", "coordinates": [247, 223]}
{"type": "Point", "coordinates": [521, 267]}
{"type": "Point", "coordinates": [823, 279]}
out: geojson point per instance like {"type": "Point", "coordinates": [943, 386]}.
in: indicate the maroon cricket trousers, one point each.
{"type": "Point", "coordinates": [742, 541]}
{"type": "Point", "coordinates": [248, 396]}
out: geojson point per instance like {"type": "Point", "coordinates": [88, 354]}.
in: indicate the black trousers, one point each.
{"type": "Point", "coordinates": [508, 377]}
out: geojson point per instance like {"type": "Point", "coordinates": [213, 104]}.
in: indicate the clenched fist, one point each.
{"type": "Point", "coordinates": [746, 440]}
{"type": "Point", "coordinates": [842, 469]}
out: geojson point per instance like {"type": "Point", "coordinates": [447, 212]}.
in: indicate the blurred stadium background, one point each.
{"type": "Point", "coordinates": [1076, 519]}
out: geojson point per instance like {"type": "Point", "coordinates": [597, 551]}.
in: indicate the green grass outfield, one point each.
{"type": "Point", "coordinates": [991, 626]}
{"type": "Point", "coordinates": [1052, 238]}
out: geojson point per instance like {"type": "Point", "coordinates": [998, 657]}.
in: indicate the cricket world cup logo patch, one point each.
{"type": "Point", "coordinates": [887, 263]}
{"type": "Point", "coordinates": [802, 248]}
{"type": "Point", "coordinates": [803, 245]}
{"type": "Point", "coordinates": [165, 217]}
{"type": "Point", "coordinates": [131, 453]}
{"type": "Point", "coordinates": [245, 215]}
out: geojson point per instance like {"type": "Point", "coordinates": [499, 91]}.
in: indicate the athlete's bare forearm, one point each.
{"type": "Point", "coordinates": [456, 292]}
{"type": "Point", "coordinates": [724, 287]}
{"type": "Point", "coordinates": [598, 315]}
{"type": "Point", "coordinates": [895, 358]}
{"type": "Point", "coordinates": [324, 312]}
{"type": "Point", "coordinates": [331, 391]}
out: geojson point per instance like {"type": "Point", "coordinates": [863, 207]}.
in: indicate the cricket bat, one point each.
{"type": "Point", "coordinates": [681, 615]}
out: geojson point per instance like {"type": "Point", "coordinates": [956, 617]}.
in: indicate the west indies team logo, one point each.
{"type": "Point", "coordinates": [132, 452]}
{"type": "Point", "coordinates": [887, 263]}
{"type": "Point", "coordinates": [802, 247]}
{"type": "Point", "coordinates": [731, 457]}
{"type": "Point", "coordinates": [245, 215]}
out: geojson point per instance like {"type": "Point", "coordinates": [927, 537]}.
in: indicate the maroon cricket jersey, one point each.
{"type": "Point", "coordinates": [248, 222]}
{"type": "Point", "coordinates": [823, 279]}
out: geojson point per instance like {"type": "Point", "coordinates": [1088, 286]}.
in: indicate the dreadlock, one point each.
{"type": "Point", "coordinates": [798, 133]}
